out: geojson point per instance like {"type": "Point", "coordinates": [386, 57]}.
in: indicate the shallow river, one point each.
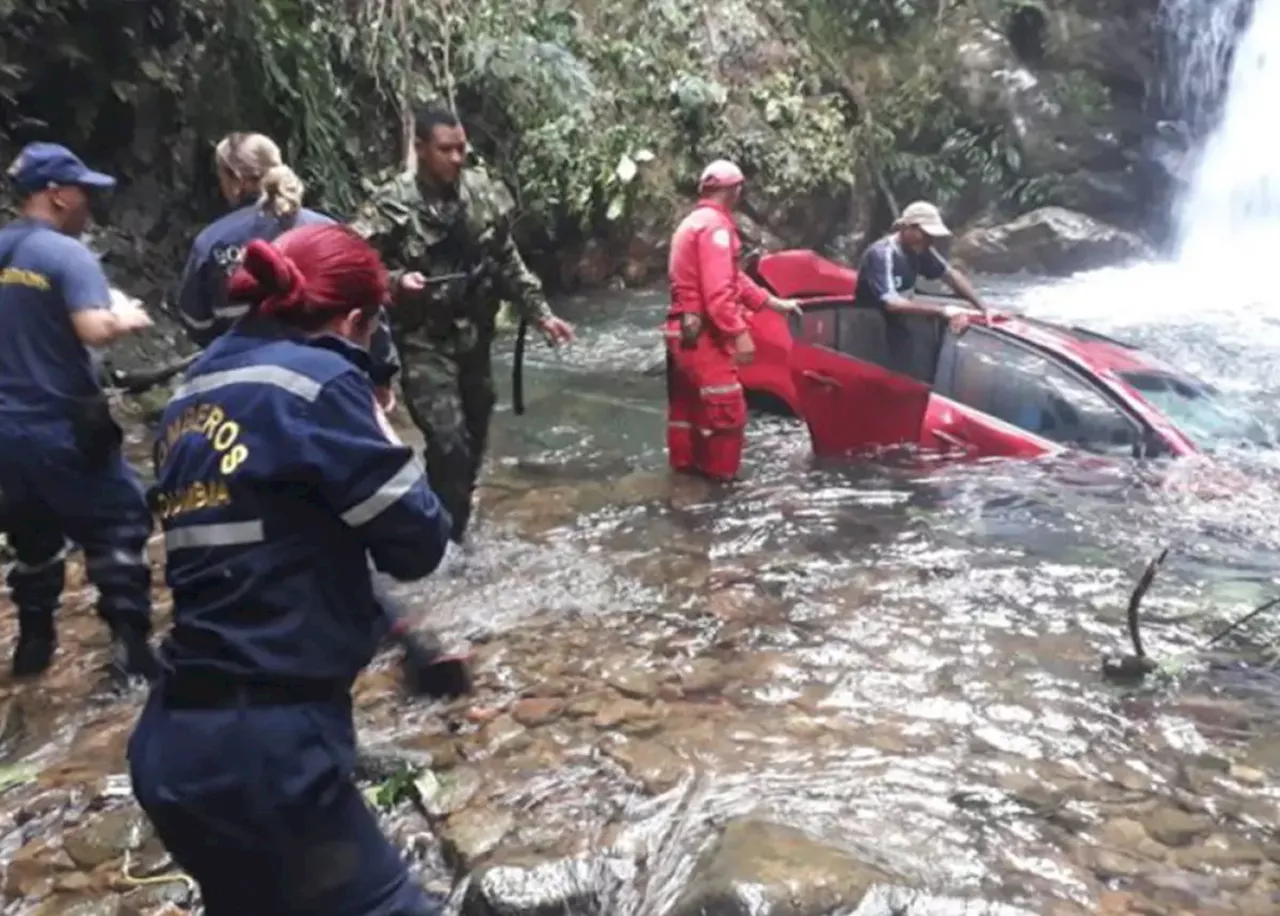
{"type": "Point", "coordinates": [904, 664]}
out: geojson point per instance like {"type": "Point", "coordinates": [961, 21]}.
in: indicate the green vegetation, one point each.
{"type": "Point", "coordinates": [593, 112]}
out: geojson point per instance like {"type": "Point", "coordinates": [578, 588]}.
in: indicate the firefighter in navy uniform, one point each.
{"type": "Point", "coordinates": [267, 195]}
{"type": "Point", "coordinates": [62, 472]}
{"type": "Point", "coordinates": [278, 480]}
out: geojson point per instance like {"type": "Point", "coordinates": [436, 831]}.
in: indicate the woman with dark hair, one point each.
{"type": "Point", "coordinates": [278, 479]}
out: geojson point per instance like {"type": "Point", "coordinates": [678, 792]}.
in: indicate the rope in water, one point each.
{"type": "Point", "coordinates": [166, 878]}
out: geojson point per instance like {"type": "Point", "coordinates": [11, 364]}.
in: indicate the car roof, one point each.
{"type": "Point", "coordinates": [1102, 354]}
{"type": "Point", "coordinates": [804, 274]}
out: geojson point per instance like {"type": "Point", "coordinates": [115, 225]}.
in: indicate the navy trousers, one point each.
{"type": "Point", "coordinates": [49, 496]}
{"type": "Point", "coordinates": [258, 805]}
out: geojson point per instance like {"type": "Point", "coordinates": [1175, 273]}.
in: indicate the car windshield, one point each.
{"type": "Point", "coordinates": [1204, 414]}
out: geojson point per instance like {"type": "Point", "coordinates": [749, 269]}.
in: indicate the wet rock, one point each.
{"type": "Point", "coordinates": [1126, 835]}
{"type": "Point", "coordinates": [890, 900]}
{"type": "Point", "coordinates": [72, 882]}
{"type": "Point", "coordinates": [450, 792]}
{"type": "Point", "coordinates": [442, 749]}
{"type": "Point", "coordinates": [85, 905]}
{"type": "Point", "coordinates": [735, 603]}
{"type": "Point", "coordinates": [1128, 778]}
{"type": "Point", "coordinates": [703, 675]}
{"type": "Point", "coordinates": [107, 837]}
{"type": "Point", "coordinates": [1212, 763]}
{"type": "Point", "coordinates": [1193, 802]}
{"type": "Point", "coordinates": [653, 765]}
{"type": "Point", "coordinates": [382, 762]}
{"type": "Point", "coordinates": [551, 687]}
{"type": "Point", "coordinates": [504, 733]}
{"type": "Point", "coordinates": [1119, 903]}
{"type": "Point", "coordinates": [635, 685]}
{"type": "Point", "coordinates": [1036, 793]}
{"type": "Point", "coordinates": [1218, 852]}
{"type": "Point", "coordinates": [890, 742]}
{"type": "Point", "coordinates": [1247, 776]}
{"type": "Point", "coordinates": [1108, 864]}
{"type": "Point", "coordinates": [1051, 241]}
{"type": "Point", "coordinates": [585, 707]}
{"type": "Point", "coordinates": [584, 887]}
{"type": "Point", "coordinates": [46, 804]}
{"type": "Point", "coordinates": [535, 711]}
{"type": "Point", "coordinates": [1173, 827]}
{"type": "Point", "coordinates": [13, 722]}
{"type": "Point", "coordinates": [620, 712]}
{"type": "Point", "coordinates": [147, 899]}
{"type": "Point", "coordinates": [759, 868]}
{"type": "Point", "coordinates": [472, 834]}
{"type": "Point", "coordinates": [33, 869]}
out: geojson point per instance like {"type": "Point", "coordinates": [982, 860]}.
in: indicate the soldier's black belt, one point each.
{"type": "Point", "coordinates": [218, 690]}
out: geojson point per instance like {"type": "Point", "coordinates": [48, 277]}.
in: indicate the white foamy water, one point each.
{"type": "Point", "coordinates": [1229, 220]}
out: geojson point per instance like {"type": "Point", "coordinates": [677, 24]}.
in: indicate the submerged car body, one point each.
{"type": "Point", "coordinates": [1007, 385]}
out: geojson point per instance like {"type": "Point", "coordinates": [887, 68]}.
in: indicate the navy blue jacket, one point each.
{"type": "Point", "coordinates": [277, 481]}
{"type": "Point", "coordinates": [202, 296]}
{"type": "Point", "coordinates": [887, 270]}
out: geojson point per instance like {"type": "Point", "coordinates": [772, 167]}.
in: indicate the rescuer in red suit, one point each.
{"type": "Point", "coordinates": [706, 330]}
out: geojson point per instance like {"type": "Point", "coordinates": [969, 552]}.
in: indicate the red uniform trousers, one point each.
{"type": "Point", "coordinates": [706, 407]}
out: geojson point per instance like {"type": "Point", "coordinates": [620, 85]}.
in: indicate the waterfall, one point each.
{"type": "Point", "coordinates": [1197, 38]}
{"type": "Point", "coordinates": [1223, 86]}
{"type": "Point", "coordinates": [1233, 203]}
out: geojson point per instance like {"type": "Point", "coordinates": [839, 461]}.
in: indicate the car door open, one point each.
{"type": "Point", "coordinates": [848, 398]}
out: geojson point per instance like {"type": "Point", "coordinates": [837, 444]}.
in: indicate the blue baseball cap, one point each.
{"type": "Point", "coordinates": [42, 164]}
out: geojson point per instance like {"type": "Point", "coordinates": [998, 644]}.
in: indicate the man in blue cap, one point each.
{"type": "Point", "coordinates": [62, 474]}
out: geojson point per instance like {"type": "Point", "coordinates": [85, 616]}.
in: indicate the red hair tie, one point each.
{"type": "Point", "coordinates": [269, 278]}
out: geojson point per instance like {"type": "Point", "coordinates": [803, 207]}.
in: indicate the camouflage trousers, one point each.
{"type": "Point", "coordinates": [451, 398]}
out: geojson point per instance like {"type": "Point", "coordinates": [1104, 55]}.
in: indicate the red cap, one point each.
{"type": "Point", "coordinates": [720, 174]}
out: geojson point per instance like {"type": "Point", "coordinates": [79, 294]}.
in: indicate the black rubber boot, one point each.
{"type": "Point", "coordinates": [428, 670]}
{"type": "Point", "coordinates": [36, 644]}
{"type": "Point", "coordinates": [133, 655]}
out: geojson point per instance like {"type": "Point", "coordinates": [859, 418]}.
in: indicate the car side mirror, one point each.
{"type": "Point", "coordinates": [1150, 445]}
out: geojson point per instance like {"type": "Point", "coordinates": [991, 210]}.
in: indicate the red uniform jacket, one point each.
{"type": "Point", "coordinates": [704, 274]}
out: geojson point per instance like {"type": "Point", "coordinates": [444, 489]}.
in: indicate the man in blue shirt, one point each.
{"type": "Point", "coordinates": [890, 267]}
{"type": "Point", "coordinates": [62, 474]}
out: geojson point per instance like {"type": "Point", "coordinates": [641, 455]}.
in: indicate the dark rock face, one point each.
{"type": "Point", "coordinates": [1070, 85]}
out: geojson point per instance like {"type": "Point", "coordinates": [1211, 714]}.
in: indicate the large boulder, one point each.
{"type": "Point", "coordinates": [1051, 241]}
{"type": "Point", "coordinates": [759, 868]}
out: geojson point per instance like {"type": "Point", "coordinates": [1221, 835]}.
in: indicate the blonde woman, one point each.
{"type": "Point", "coordinates": [266, 195]}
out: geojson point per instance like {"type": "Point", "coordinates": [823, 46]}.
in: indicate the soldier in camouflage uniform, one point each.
{"type": "Point", "coordinates": [445, 234]}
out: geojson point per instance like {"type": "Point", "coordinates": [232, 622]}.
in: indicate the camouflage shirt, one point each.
{"type": "Point", "coordinates": [464, 231]}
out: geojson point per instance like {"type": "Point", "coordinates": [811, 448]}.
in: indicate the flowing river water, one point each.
{"type": "Point", "coordinates": [900, 662]}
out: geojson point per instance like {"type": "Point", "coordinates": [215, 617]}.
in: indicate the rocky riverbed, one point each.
{"type": "Point", "coordinates": [828, 690]}
{"type": "Point", "coordinates": [704, 746]}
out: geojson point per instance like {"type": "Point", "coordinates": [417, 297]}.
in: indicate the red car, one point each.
{"type": "Point", "coordinates": [1007, 386]}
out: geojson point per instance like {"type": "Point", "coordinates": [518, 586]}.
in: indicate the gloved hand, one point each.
{"type": "Point", "coordinates": [428, 670]}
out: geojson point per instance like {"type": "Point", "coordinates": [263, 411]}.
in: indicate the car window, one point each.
{"type": "Point", "coordinates": [1034, 393]}
{"type": "Point", "coordinates": [1205, 415]}
{"type": "Point", "coordinates": [905, 345]}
